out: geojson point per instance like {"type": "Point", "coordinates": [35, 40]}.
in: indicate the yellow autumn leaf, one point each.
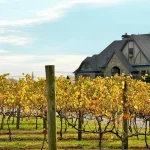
{"type": "Point", "coordinates": [135, 107]}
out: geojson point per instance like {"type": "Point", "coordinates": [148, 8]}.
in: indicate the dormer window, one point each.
{"type": "Point", "coordinates": [85, 66]}
{"type": "Point", "coordinates": [130, 52]}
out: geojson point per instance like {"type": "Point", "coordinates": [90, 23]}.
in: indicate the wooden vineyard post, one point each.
{"type": "Point", "coordinates": [149, 125]}
{"type": "Point", "coordinates": [51, 108]}
{"type": "Point", "coordinates": [80, 125]}
{"type": "Point", "coordinates": [18, 117]}
{"type": "Point", "coordinates": [125, 120]}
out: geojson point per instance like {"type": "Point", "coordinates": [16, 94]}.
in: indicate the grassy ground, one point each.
{"type": "Point", "coordinates": [27, 137]}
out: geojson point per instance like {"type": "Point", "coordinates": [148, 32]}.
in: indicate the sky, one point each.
{"type": "Point", "coordinates": [35, 33]}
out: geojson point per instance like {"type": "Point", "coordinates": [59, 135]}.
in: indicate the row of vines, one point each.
{"type": "Point", "coordinates": [117, 105]}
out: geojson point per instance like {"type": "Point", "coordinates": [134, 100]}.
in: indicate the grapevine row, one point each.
{"type": "Point", "coordinates": [90, 98]}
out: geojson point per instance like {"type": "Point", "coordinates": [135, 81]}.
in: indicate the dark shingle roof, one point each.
{"type": "Point", "coordinates": [116, 48]}
{"type": "Point", "coordinates": [102, 59]}
{"type": "Point", "coordinates": [106, 54]}
{"type": "Point", "coordinates": [97, 61]}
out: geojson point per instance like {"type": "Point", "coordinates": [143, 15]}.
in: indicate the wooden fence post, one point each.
{"type": "Point", "coordinates": [125, 120]}
{"type": "Point", "coordinates": [51, 108]}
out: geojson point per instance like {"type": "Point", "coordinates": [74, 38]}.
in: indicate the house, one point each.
{"type": "Point", "coordinates": [131, 55]}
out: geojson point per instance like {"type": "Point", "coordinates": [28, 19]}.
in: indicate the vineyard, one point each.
{"type": "Point", "coordinates": [116, 106]}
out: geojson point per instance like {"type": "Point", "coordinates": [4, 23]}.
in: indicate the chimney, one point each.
{"type": "Point", "coordinates": [126, 36]}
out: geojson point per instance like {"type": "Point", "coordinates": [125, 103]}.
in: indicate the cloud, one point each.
{"type": "Point", "coordinates": [56, 12]}
{"type": "Point", "coordinates": [3, 1]}
{"type": "Point", "coordinates": [3, 51]}
{"type": "Point", "coordinates": [17, 64]}
{"type": "Point", "coordinates": [15, 40]}
{"type": "Point", "coordinates": [4, 30]}
{"type": "Point", "coordinates": [25, 21]}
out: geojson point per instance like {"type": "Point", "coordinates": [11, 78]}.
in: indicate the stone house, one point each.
{"type": "Point", "coordinates": [131, 55]}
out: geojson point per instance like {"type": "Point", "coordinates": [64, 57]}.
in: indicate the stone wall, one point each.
{"type": "Point", "coordinates": [115, 62]}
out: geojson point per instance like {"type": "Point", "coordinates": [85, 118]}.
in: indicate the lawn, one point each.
{"type": "Point", "coordinates": [27, 137]}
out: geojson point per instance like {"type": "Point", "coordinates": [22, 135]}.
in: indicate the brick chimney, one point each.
{"type": "Point", "coordinates": [125, 36]}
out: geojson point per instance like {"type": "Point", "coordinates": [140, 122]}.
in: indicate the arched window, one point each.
{"type": "Point", "coordinates": [115, 70]}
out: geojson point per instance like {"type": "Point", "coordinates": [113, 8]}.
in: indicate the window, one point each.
{"type": "Point", "coordinates": [102, 70]}
{"type": "Point", "coordinates": [131, 44]}
{"type": "Point", "coordinates": [135, 75]}
{"type": "Point", "coordinates": [86, 66]}
{"type": "Point", "coordinates": [130, 52]}
{"type": "Point", "coordinates": [143, 72]}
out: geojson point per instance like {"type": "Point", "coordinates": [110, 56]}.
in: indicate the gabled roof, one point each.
{"type": "Point", "coordinates": [143, 41]}
{"type": "Point", "coordinates": [102, 59]}
{"type": "Point", "coordinates": [90, 60]}
{"type": "Point", "coordinates": [125, 61]}
{"type": "Point", "coordinates": [115, 48]}
{"type": "Point", "coordinates": [97, 61]}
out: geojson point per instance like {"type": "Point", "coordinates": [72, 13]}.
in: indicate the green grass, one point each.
{"type": "Point", "coordinates": [27, 137]}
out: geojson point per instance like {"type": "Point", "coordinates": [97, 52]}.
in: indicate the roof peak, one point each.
{"type": "Point", "coordinates": [126, 36]}
{"type": "Point", "coordinates": [140, 34]}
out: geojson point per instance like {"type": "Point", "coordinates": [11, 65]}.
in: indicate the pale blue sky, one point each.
{"type": "Point", "coordinates": [35, 33]}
